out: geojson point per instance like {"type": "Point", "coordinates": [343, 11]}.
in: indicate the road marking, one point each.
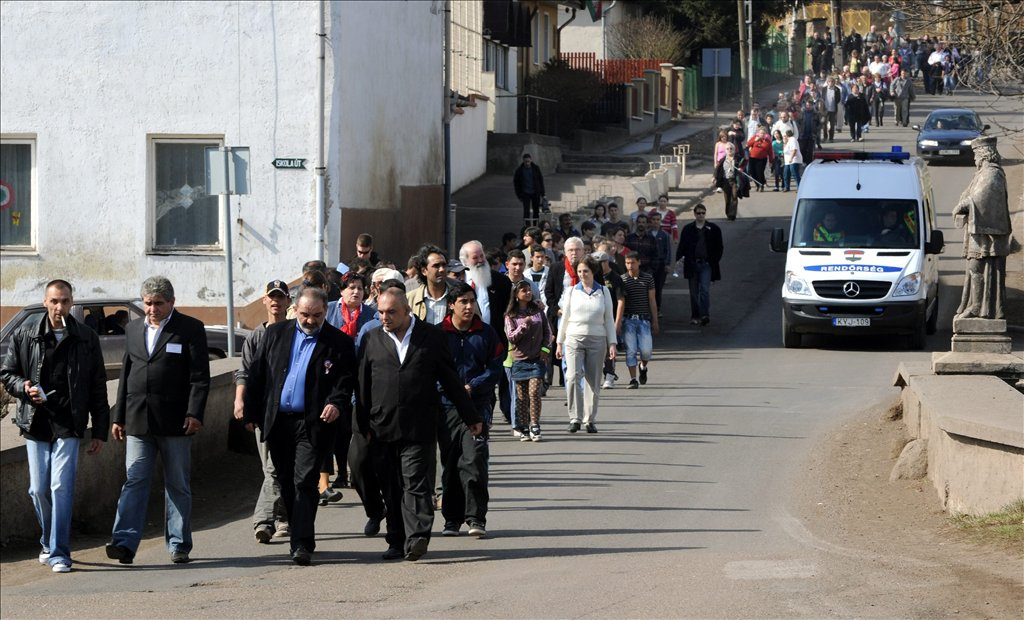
{"type": "Point", "coordinates": [771, 569]}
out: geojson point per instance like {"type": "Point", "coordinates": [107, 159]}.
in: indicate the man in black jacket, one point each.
{"type": "Point", "coordinates": [161, 397]}
{"type": "Point", "coordinates": [397, 405]}
{"type": "Point", "coordinates": [528, 183]}
{"type": "Point", "coordinates": [54, 366]}
{"type": "Point", "coordinates": [700, 249]}
{"type": "Point", "coordinates": [299, 384]}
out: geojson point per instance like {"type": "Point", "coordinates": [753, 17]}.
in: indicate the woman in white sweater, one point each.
{"type": "Point", "coordinates": [586, 334]}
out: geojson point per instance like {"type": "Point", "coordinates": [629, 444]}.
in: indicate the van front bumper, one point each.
{"type": "Point", "coordinates": [902, 318]}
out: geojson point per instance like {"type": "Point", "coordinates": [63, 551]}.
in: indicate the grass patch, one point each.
{"type": "Point", "coordinates": [1005, 526]}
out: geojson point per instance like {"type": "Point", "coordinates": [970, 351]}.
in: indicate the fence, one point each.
{"type": "Point", "coordinates": [770, 64]}
{"type": "Point", "coordinates": [611, 70]}
{"type": "Point", "coordinates": [610, 109]}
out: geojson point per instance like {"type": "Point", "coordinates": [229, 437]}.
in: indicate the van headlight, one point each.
{"type": "Point", "coordinates": [908, 285]}
{"type": "Point", "coordinates": [796, 285]}
{"type": "Point", "coordinates": [965, 142]}
{"type": "Point", "coordinates": [929, 143]}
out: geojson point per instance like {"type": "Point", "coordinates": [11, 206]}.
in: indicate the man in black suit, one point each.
{"type": "Point", "coordinates": [299, 384]}
{"type": "Point", "coordinates": [398, 404]}
{"type": "Point", "coordinates": [165, 379]}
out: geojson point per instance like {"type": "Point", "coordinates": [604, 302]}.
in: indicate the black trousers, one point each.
{"type": "Point", "coordinates": [298, 461]}
{"type": "Point", "coordinates": [660, 274]}
{"type": "Point", "coordinates": [406, 472]}
{"type": "Point", "coordinates": [528, 203]}
{"type": "Point", "coordinates": [364, 477]}
{"type": "Point", "coordinates": [463, 471]}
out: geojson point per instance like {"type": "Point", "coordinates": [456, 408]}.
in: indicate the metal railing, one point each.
{"type": "Point", "coordinates": [535, 114]}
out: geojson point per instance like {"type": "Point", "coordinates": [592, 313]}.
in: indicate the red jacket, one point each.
{"type": "Point", "coordinates": [760, 147]}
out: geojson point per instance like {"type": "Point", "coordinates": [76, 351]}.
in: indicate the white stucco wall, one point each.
{"type": "Point", "coordinates": [469, 145]}
{"type": "Point", "coordinates": [93, 80]}
{"type": "Point", "coordinates": [582, 34]}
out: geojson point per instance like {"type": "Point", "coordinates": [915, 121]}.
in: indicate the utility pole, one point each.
{"type": "Point", "coordinates": [750, 49]}
{"type": "Point", "coordinates": [744, 75]}
{"type": "Point", "coordinates": [836, 9]}
{"type": "Point", "coordinates": [446, 119]}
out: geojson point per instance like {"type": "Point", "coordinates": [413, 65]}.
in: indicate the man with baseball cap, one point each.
{"type": "Point", "coordinates": [269, 520]}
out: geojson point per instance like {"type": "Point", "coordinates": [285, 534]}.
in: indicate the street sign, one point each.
{"type": "Point", "coordinates": [290, 163]}
{"type": "Point", "coordinates": [716, 62]}
{"type": "Point", "coordinates": [6, 195]}
{"type": "Point", "coordinates": [227, 172]}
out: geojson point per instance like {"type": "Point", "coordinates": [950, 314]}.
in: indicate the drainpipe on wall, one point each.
{"type": "Point", "coordinates": [604, 17]}
{"type": "Point", "coordinates": [321, 169]}
{"type": "Point", "coordinates": [446, 119]}
{"type": "Point", "coordinates": [558, 32]}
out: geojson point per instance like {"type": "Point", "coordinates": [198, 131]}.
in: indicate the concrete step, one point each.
{"type": "Point", "coordinates": [605, 168]}
{"type": "Point", "coordinates": [576, 157]}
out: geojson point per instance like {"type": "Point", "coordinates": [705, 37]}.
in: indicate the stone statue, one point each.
{"type": "Point", "coordinates": [984, 213]}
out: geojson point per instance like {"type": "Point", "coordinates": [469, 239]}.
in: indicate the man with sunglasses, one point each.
{"type": "Point", "coordinates": [364, 249]}
{"type": "Point", "coordinates": [700, 249]}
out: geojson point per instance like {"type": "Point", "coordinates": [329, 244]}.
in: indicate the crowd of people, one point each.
{"type": "Point", "coordinates": [362, 373]}
{"type": "Point", "coordinates": [875, 82]}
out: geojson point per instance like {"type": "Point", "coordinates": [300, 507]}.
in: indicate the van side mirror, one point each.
{"type": "Point", "coordinates": [778, 240]}
{"type": "Point", "coordinates": [986, 128]}
{"type": "Point", "coordinates": [935, 244]}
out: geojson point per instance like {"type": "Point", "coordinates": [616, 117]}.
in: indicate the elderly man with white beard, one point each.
{"type": "Point", "coordinates": [493, 290]}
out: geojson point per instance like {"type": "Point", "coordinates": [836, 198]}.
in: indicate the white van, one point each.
{"type": "Point", "coordinates": [862, 249]}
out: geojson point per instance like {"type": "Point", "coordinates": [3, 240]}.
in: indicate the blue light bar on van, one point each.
{"type": "Point", "coordinates": [897, 154]}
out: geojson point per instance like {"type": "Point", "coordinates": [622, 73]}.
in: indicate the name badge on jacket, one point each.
{"type": "Point", "coordinates": [173, 347]}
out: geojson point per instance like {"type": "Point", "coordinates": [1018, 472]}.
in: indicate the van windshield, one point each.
{"type": "Point", "coordinates": [856, 223]}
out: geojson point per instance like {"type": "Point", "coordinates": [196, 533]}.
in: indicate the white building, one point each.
{"type": "Point", "coordinates": [106, 109]}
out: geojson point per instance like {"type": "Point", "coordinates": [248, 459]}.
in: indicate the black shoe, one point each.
{"type": "Point", "coordinates": [180, 557]}
{"type": "Point", "coordinates": [330, 495]}
{"type": "Point", "coordinates": [393, 553]}
{"type": "Point", "coordinates": [341, 482]}
{"type": "Point", "coordinates": [263, 534]}
{"type": "Point", "coordinates": [124, 555]}
{"type": "Point", "coordinates": [591, 428]}
{"type": "Point", "coordinates": [705, 320]}
{"type": "Point", "coordinates": [633, 385]}
{"type": "Point", "coordinates": [451, 528]}
{"type": "Point", "coordinates": [372, 527]}
{"type": "Point", "coordinates": [574, 426]}
{"type": "Point", "coordinates": [417, 550]}
{"type": "Point", "coordinates": [643, 375]}
{"type": "Point", "coordinates": [302, 556]}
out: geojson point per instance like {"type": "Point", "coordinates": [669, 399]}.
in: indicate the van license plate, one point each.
{"type": "Point", "coordinates": [851, 322]}
{"type": "Point", "coordinates": [949, 152]}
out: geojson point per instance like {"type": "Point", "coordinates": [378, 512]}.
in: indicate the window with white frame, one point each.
{"type": "Point", "coordinates": [535, 40]}
{"type": "Point", "coordinates": [17, 192]}
{"type": "Point", "coordinates": [545, 33]}
{"type": "Point", "coordinates": [496, 62]}
{"type": "Point", "coordinates": [184, 218]}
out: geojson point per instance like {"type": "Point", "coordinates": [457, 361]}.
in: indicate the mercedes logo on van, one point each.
{"type": "Point", "coordinates": [851, 289]}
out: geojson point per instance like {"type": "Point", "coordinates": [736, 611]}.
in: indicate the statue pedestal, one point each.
{"type": "Point", "coordinates": [979, 347]}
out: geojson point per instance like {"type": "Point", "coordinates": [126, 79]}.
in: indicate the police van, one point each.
{"type": "Point", "coordinates": [862, 251]}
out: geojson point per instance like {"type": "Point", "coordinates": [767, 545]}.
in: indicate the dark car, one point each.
{"type": "Point", "coordinates": [108, 318]}
{"type": "Point", "coordinates": [947, 133]}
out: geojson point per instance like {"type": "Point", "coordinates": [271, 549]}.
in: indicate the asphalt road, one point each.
{"type": "Point", "coordinates": [680, 507]}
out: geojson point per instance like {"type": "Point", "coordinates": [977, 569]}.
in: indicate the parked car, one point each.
{"type": "Point", "coordinates": [107, 317]}
{"type": "Point", "coordinates": [947, 133]}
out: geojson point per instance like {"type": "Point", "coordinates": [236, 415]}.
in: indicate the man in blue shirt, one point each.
{"type": "Point", "coordinates": [300, 382]}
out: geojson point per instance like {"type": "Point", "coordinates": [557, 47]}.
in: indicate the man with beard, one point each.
{"type": "Point", "coordinates": [299, 385]}
{"type": "Point", "coordinates": [493, 290]}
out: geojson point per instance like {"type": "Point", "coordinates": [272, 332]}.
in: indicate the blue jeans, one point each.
{"type": "Point", "coordinates": [789, 171]}
{"type": "Point", "coordinates": [700, 290]}
{"type": "Point", "coordinates": [637, 334]}
{"type": "Point", "coordinates": [176, 454]}
{"type": "Point", "coordinates": [51, 474]}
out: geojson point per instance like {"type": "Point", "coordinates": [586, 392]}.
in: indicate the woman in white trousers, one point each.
{"type": "Point", "coordinates": [586, 334]}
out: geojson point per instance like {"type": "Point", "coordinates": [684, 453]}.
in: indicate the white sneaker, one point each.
{"type": "Point", "coordinates": [61, 567]}
{"type": "Point", "coordinates": [44, 557]}
{"type": "Point", "coordinates": [609, 382]}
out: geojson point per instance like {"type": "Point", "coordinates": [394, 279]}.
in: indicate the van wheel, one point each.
{"type": "Point", "coordinates": [916, 340]}
{"type": "Point", "coordinates": [790, 338]}
{"type": "Point", "coordinates": [933, 321]}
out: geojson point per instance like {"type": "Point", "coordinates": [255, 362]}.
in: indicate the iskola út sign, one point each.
{"type": "Point", "coordinates": [294, 163]}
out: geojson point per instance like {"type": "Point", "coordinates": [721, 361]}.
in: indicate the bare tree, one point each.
{"type": "Point", "coordinates": [990, 33]}
{"type": "Point", "coordinates": [648, 37]}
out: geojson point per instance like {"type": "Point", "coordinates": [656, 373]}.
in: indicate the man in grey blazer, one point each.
{"type": "Point", "coordinates": [165, 380]}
